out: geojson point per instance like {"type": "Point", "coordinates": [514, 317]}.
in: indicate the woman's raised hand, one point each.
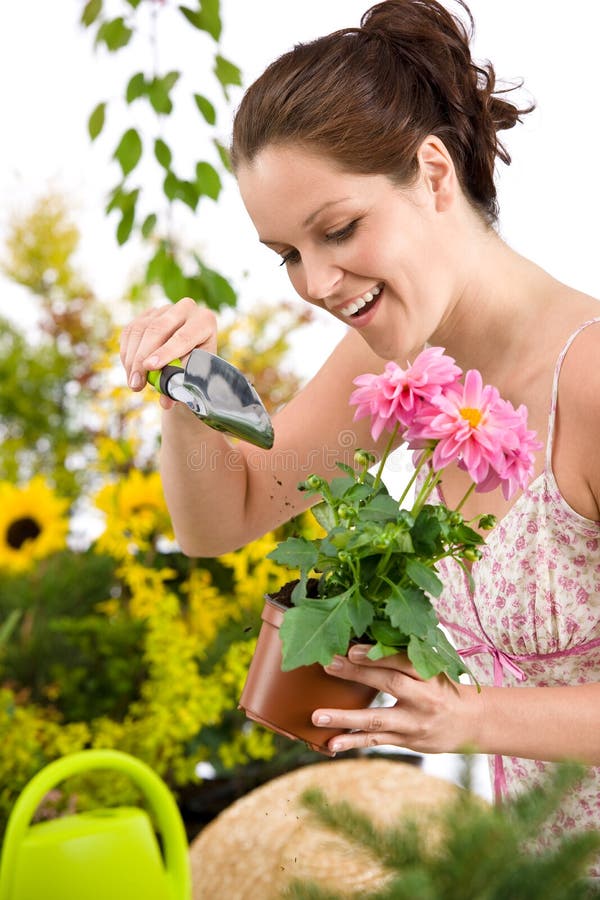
{"type": "Point", "coordinates": [157, 336]}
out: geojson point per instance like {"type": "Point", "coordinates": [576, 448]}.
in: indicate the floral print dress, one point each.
{"type": "Point", "coordinates": [533, 617]}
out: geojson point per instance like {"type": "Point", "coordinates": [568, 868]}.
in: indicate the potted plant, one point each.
{"type": "Point", "coordinates": [371, 576]}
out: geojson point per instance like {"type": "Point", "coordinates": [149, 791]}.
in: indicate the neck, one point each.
{"type": "Point", "coordinates": [500, 300]}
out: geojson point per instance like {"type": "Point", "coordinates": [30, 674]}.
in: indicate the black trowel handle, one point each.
{"type": "Point", "coordinates": [159, 378]}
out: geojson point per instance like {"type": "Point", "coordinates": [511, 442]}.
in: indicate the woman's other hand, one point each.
{"type": "Point", "coordinates": [433, 716]}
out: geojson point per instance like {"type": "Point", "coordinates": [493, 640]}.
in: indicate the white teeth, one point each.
{"type": "Point", "coordinates": [357, 304]}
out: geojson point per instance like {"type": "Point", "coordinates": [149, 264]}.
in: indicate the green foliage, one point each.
{"type": "Point", "coordinates": [66, 652]}
{"type": "Point", "coordinates": [485, 853]}
{"type": "Point", "coordinates": [178, 272]}
{"type": "Point", "coordinates": [46, 384]}
{"type": "Point", "coordinates": [376, 568]}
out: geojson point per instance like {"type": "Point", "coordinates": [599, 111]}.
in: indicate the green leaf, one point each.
{"type": "Point", "coordinates": [170, 185]}
{"type": "Point", "coordinates": [224, 155]}
{"type": "Point", "coordinates": [227, 73]}
{"type": "Point", "coordinates": [207, 180]}
{"type": "Point", "coordinates": [123, 200]}
{"type": "Point", "coordinates": [96, 121]}
{"type": "Point", "coordinates": [163, 153]}
{"type": "Point", "coordinates": [206, 108]}
{"type": "Point", "coordinates": [295, 553]}
{"type": "Point", "coordinates": [324, 515]}
{"type": "Point", "coordinates": [424, 577]}
{"type": "Point", "coordinates": [173, 280]}
{"type": "Point", "coordinates": [125, 225]}
{"type": "Point", "coordinates": [148, 225]}
{"type": "Point", "coordinates": [136, 87]}
{"type": "Point", "coordinates": [426, 534]}
{"type": "Point", "coordinates": [339, 486]}
{"type": "Point", "coordinates": [466, 535]}
{"type": "Point", "coordinates": [91, 11]}
{"type": "Point", "coordinates": [381, 508]}
{"type": "Point", "coordinates": [115, 34]}
{"type": "Point", "coordinates": [410, 610]}
{"type": "Point", "coordinates": [9, 625]}
{"type": "Point", "coordinates": [380, 651]}
{"type": "Point", "coordinates": [424, 658]}
{"type": "Point", "coordinates": [454, 666]}
{"type": "Point", "coordinates": [206, 18]}
{"type": "Point", "coordinates": [314, 632]}
{"type": "Point", "coordinates": [214, 289]}
{"type": "Point", "coordinates": [360, 612]}
{"type": "Point", "coordinates": [159, 92]}
{"type": "Point", "coordinates": [385, 633]}
{"type": "Point", "coordinates": [129, 151]}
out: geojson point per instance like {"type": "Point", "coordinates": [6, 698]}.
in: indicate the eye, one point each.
{"type": "Point", "coordinates": [292, 257]}
{"type": "Point", "coordinates": [343, 233]}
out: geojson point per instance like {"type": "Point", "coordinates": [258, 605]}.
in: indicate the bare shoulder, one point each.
{"type": "Point", "coordinates": [578, 417]}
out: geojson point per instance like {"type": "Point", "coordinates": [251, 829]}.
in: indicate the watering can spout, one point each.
{"type": "Point", "coordinates": [106, 853]}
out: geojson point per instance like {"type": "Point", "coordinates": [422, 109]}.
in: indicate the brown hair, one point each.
{"type": "Point", "coordinates": [367, 97]}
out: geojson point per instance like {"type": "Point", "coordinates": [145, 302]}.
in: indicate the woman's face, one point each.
{"type": "Point", "coordinates": [374, 255]}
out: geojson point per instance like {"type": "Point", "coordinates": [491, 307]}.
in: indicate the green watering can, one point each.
{"type": "Point", "coordinates": [106, 854]}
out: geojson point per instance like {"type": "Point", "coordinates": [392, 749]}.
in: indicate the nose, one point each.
{"type": "Point", "coordinates": [321, 277]}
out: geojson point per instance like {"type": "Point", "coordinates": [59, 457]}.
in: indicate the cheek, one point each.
{"type": "Point", "coordinates": [297, 280]}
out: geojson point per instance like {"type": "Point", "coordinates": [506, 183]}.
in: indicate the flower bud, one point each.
{"type": "Point", "coordinates": [346, 513]}
{"type": "Point", "coordinates": [363, 458]}
{"type": "Point", "coordinates": [314, 482]}
{"type": "Point", "coordinates": [471, 553]}
{"type": "Point", "coordinates": [488, 521]}
{"type": "Point", "coordinates": [455, 518]}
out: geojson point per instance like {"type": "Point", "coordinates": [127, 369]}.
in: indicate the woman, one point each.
{"type": "Point", "coordinates": [366, 160]}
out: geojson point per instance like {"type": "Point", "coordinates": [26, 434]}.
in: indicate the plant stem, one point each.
{"type": "Point", "coordinates": [466, 497]}
{"type": "Point", "coordinates": [386, 453]}
{"type": "Point", "coordinates": [428, 485]}
{"type": "Point", "coordinates": [426, 456]}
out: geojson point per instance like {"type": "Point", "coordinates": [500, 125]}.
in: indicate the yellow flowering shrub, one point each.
{"type": "Point", "coordinates": [124, 643]}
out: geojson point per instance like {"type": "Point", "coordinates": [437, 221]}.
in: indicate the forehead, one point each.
{"type": "Point", "coordinates": [286, 184]}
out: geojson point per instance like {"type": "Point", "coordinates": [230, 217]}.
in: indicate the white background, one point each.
{"type": "Point", "coordinates": [51, 80]}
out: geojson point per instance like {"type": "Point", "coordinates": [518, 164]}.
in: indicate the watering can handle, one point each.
{"type": "Point", "coordinates": [160, 800]}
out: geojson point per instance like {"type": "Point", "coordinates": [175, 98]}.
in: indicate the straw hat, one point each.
{"type": "Point", "coordinates": [263, 840]}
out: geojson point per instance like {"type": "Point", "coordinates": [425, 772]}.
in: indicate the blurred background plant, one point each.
{"type": "Point", "coordinates": [109, 636]}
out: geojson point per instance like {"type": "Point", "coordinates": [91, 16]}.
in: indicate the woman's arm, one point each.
{"type": "Point", "coordinates": [222, 494]}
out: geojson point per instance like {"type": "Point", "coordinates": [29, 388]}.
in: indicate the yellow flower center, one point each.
{"type": "Point", "coordinates": [473, 416]}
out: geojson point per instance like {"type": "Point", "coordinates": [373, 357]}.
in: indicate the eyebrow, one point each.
{"type": "Point", "coordinates": [310, 219]}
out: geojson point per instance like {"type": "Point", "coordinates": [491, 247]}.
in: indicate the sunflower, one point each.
{"type": "Point", "coordinates": [136, 514]}
{"type": "Point", "coordinates": [33, 524]}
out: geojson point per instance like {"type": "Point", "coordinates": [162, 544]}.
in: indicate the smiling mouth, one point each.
{"type": "Point", "coordinates": [357, 308]}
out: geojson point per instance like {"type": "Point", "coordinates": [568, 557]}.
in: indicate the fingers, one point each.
{"type": "Point", "coordinates": [373, 727]}
{"type": "Point", "coordinates": [158, 336]}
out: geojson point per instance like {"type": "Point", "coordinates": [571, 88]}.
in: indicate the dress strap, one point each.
{"type": "Point", "coordinates": [554, 400]}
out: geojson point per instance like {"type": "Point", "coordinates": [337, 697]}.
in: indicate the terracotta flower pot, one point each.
{"type": "Point", "coordinates": [285, 701]}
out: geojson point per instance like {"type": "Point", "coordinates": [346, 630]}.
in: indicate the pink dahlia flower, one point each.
{"type": "Point", "coordinates": [472, 426]}
{"type": "Point", "coordinates": [399, 395]}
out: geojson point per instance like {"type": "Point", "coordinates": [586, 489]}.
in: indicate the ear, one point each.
{"type": "Point", "coordinates": [438, 172]}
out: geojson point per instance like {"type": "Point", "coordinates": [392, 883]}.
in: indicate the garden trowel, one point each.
{"type": "Point", "coordinates": [218, 394]}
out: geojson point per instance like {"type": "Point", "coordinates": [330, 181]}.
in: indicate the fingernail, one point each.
{"type": "Point", "coordinates": [335, 746]}
{"type": "Point", "coordinates": [335, 664]}
{"type": "Point", "coordinates": [359, 650]}
{"type": "Point", "coordinates": [152, 362]}
{"type": "Point", "coordinates": [323, 720]}
{"type": "Point", "coordinates": [135, 381]}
